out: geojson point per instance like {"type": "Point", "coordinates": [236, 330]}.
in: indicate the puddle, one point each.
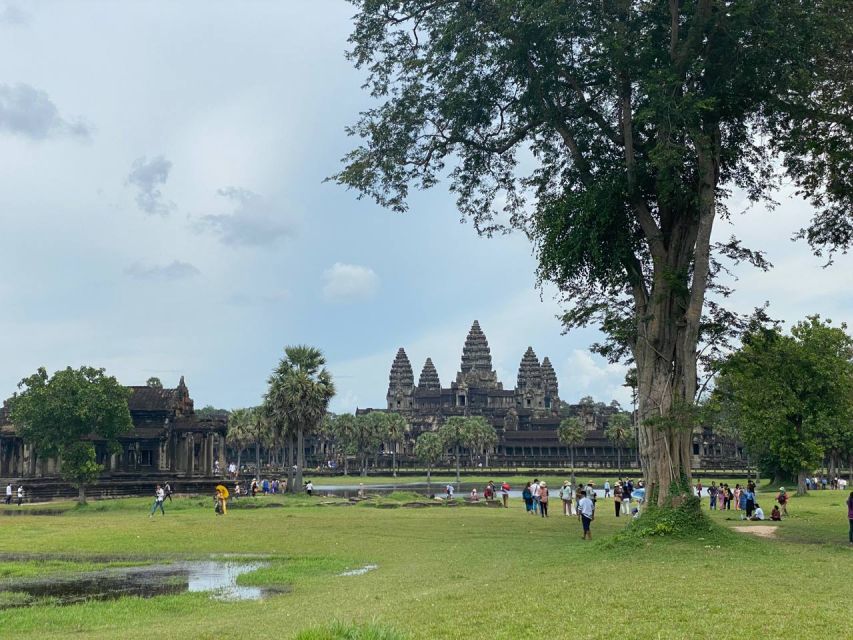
{"type": "Point", "coordinates": [360, 571]}
{"type": "Point", "coordinates": [218, 578]}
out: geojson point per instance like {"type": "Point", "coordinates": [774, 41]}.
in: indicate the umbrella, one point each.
{"type": "Point", "coordinates": [638, 494]}
{"type": "Point", "coordinates": [221, 489]}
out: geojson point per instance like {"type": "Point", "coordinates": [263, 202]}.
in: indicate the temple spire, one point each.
{"type": "Point", "coordinates": [429, 377]}
{"type": "Point", "coordinates": [402, 378]}
{"type": "Point", "coordinates": [476, 366]}
{"type": "Point", "coordinates": [529, 371]}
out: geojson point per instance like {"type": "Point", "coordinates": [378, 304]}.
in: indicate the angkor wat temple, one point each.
{"type": "Point", "coordinates": [526, 418]}
{"type": "Point", "coordinates": [168, 439]}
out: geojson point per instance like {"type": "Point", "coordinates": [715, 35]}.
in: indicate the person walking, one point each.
{"type": "Point", "coordinates": [543, 499]}
{"type": "Point", "coordinates": [20, 494]}
{"type": "Point", "coordinates": [850, 515]}
{"type": "Point", "coordinates": [749, 502]}
{"type": "Point", "coordinates": [617, 498]}
{"type": "Point", "coordinates": [586, 511]}
{"type": "Point", "coordinates": [505, 494]}
{"type": "Point", "coordinates": [782, 499]}
{"type": "Point", "coordinates": [167, 488]}
{"type": "Point", "coordinates": [9, 493]}
{"type": "Point", "coordinates": [527, 496]}
{"type": "Point", "coordinates": [607, 488]}
{"type": "Point", "coordinates": [159, 497]}
{"type": "Point", "coordinates": [535, 490]}
{"type": "Point", "coordinates": [712, 495]}
{"type": "Point", "coordinates": [566, 497]}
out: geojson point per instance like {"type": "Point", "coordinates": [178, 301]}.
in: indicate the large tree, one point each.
{"type": "Point", "coordinates": [239, 435]}
{"type": "Point", "coordinates": [612, 133]}
{"type": "Point", "coordinates": [63, 414]}
{"type": "Point", "coordinates": [618, 431]}
{"type": "Point", "coordinates": [793, 394]}
{"type": "Point", "coordinates": [457, 433]}
{"type": "Point", "coordinates": [396, 428]}
{"type": "Point", "coordinates": [300, 389]}
{"type": "Point", "coordinates": [429, 449]}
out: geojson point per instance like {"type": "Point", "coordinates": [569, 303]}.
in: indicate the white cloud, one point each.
{"type": "Point", "coordinates": [256, 221]}
{"type": "Point", "coordinates": [148, 176]}
{"type": "Point", "coordinates": [349, 282]}
{"type": "Point", "coordinates": [29, 112]}
{"type": "Point", "coordinates": [175, 270]}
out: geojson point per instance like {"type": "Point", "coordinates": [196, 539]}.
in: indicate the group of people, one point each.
{"type": "Point", "coordinates": [10, 494]}
{"type": "Point", "coordinates": [490, 493]}
{"type": "Point", "coordinates": [722, 497]}
{"type": "Point", "coordinates": [822, 482]}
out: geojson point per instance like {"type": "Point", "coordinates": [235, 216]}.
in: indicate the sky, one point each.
{"type": "Point", "coordinates": [163, 212]}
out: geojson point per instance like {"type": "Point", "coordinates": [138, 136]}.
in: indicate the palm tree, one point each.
{"type": "Point", "coordinates": [300, 389]}
{"type": "Point", "coordinates": [239, 434]}
{"type": "Point", "coordinates": [396, 427]}
{"type": "Point", "coordinates": [483, 435]}
{"type": "Point", "coordinates": [618, 432]}
{"type": "Point", "coordinates": [456, 433]}
{"type": "Point", "coordinates": [572, 433]}
{"type": "Point", "coordinates": [429, 448]}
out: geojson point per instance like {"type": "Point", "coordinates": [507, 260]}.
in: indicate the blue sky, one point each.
{"type": "Point", "coordinates": [163, 212]}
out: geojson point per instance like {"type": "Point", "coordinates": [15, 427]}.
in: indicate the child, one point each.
{"type": "Point", "coordinates": [776, 515]}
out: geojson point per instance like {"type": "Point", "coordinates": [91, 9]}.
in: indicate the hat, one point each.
{"type": "Point", "coordinates": [781, 488]}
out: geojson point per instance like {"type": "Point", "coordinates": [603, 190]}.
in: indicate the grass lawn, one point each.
{"type": "Point", "coordinates": [446, 572]}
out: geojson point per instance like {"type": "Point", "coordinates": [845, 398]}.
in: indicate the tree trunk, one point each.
{"type": "Point", "coordinates": [393, 460]}
{"type": "Point", "coordinates": [300, 457]}
{"type": "Point", "coordinates": [801, 483]}
{"type": "Point", "coordinates": [239, 456]}
{"type": "Point", "coordinates": [572, 448]}
{"type": "Point", "coordinates": [429, 481]}
{"type": "Point", "coordinates": [290, 448]}
{"type": "Point", "coordinates": [457, 467]}
{"type": "Point", "coordinates": [258, 461]}
{"type": "Point", "coordinates": [81, 494]}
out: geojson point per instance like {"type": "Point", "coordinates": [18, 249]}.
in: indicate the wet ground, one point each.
{"type": "Point", "coordinates": [217, 577]}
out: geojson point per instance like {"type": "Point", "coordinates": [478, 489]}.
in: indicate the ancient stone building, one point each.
{"type": "Point", "coordinates": [167, 438]}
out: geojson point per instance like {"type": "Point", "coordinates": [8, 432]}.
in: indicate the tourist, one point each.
{"type": "Point", "coordinates": [712, 494]}
{"type": "Point", "coordinates": [254, 487]}
{"type": "Point", "coordinates": [590, 492]}
{"type": "Point", "coordinates": [749, 502]}
{"type": "Point", "coordinates": [9, 493]}
{"type": "Point", "coordinates": [775, 515]}
{"type": "Point", "coordinates": [236, 493]}
{"type": "Point", "coordinates": [566, 497]}
{"type": "Point", "coordinates": [265, 486]}
{"type": "Point", "coordinates": [232, 470]}
{"type": "Point", "coordinates": [221, 501]}
{"type": "Point", "coordinates": [535, 491]}
{"type": "Point", "coordinates": [505, 494]}
{"type": "Point", "coordinates": [20, 494]}
{"type": "Point", "coordinates": [159, 497]}
{"type": "Point", "coordinates": [586, 510]}
{"type": "Point", "coordinates": [360, 489]}
{"type": "Point", "coordinates": [474, 497]}
{"type": "Point", "coordinates": [617, 498]}
{"type": "Point", "coordinates": [758, 514]}
{"type": "Point", "coordinates": [823, 482]}
{"type": "Point", "coordinates": [607, 488]}
{"type": "Point", "coordinates": [309, 488]}
{"type": "Point", "coordinates": [737, 496]}
{"type": "Point", "coordinates": [489, 491]}
{"type": "Point", "coordinates": [167, 489]}
{"type": "Point", "coordinates": [216, 469]}
{"type": "Point", "coordinates": [699, 489]}
{"type": "Point", "coordinates": [527, 496]}
{"type": "Point", "coordinates": [782, 499]}
{"type": "Point", "coordinates": [449, 491]}
{"type": "Point", "coordinates": [850, 514]}
{"type": "Point", "coordinates": [543, 499]}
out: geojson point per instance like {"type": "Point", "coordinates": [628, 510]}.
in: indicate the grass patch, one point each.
{"type": "Point", "coordinates": [289, 571]}
{"type": "Point", "coordinates": [340, 631]}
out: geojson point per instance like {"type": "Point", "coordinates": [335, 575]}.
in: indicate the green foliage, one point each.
{"type": "Point", "coordinates": [571, 431]}
{"type": "Point", "coordinates": [684, 521]}
{"type": "Point", "coordinates": [154, 383]}
{"type": "Point", "coordinates": [59, 414]}
{"type": "Point", "coordinates": [791, 395]}
{"type": "Point", "coordinates": [429, 448]}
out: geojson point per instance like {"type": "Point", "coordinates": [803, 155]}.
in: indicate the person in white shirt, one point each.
{"type": "Point", "coordinates": [449, 490]}
{"type": "Point", "coordinates": [758, 514]}
{"type": "Point", "coordinates": [607, 488]}
{"type": "Point", "coordinates": [159, 497]}
{"type": "Point", "coordinates": [536, 492]}
{"type": "Point", "coordinates": [9, 493]}
{"type": "Point", "coordinates": [309, 488]}
{"type": "Point", "coordinates": [20, 494]}
{"type": "Point", "coordinates": [586, 510]}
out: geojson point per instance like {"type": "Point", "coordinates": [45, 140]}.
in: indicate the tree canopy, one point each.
{"type": "Point", "coordinates": [612, 133]}
{"type": "Point", "coordinates": [792, 395]}
{"type": "Point", "coordinates": [62, 414]}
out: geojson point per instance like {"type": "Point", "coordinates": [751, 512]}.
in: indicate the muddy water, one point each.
{"type": "Point", "coordinates": [218, 578]}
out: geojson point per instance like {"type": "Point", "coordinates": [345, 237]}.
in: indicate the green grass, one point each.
{"type": "Point", "coordinates": [449, 573]}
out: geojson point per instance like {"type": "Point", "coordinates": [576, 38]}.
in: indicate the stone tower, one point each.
{"type": "Point", "coordinates": [429, 377]}
{"type": "Point", "coordinates": [401, 382]}
{"type": "Point", "coordinates": [530, 391]}
{"type": "Point", "coordinates": [549, 383]}
{"type": "Point", "coordinates": [476, 368]}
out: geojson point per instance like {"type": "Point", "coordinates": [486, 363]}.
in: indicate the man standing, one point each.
{"type": "Point", "coordinates": [20, 494]}
{"type": "Point", "coordinates": [712, 494]}
{"type": "Point", "coordinates": [782, 499]}
{"type": "Point", "coordinates": [536, 491]}
{"type": "Point", "coordinates": [159, 497]}
{"type": "Point", "coordinates": [586, 509]}
{"type": "Point", "coordinates": [607, 488]}
{"type": "Point", "coordinates": [9, 493]}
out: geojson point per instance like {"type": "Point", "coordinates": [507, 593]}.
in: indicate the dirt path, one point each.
{"type": "Point", "coordinates": [760, 530]}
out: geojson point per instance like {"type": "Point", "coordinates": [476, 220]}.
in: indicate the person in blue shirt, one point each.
{"type": "Point", "coordinates": [748, 500]}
